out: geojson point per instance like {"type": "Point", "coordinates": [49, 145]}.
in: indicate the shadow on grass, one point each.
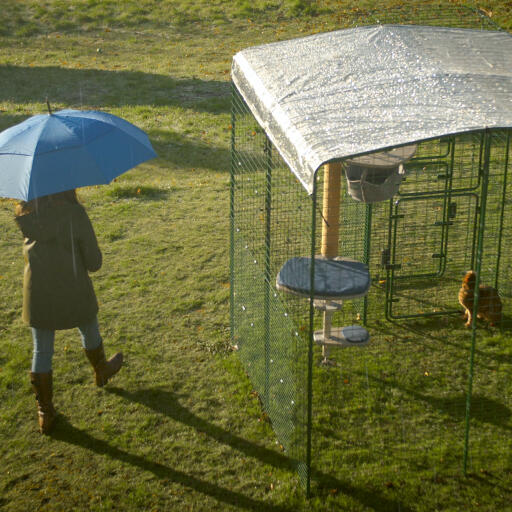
{"type": "Point", "coordinates": [189, 152]}
{"type": "Point", "coordinates": [105, 88]}
{"type": "Point", "coordinates": [8, 120]}
{"type": "Point", "coordinates": [171, 147]}
{"type": "Point", "coordinates": [167, 403]}
{"type": "Point", "coordinates": [493, 482]}
{"type": "Point", "coordinates": [483, 409]}
{"type": "Point", "coordinates": [430, 327]}
{"type": "Point", "coordinates": [65, 432]}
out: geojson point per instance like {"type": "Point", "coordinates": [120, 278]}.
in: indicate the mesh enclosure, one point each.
{"type": "Point", "coordinates": [427, 394]}
{"type": "Point", "coordinates": [427, 13]}
{"type": "Point", "coordinates": [271, 217]}
{"type": "Point", "coordinates": [399, 404]}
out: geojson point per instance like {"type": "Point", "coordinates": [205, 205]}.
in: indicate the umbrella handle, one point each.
{"type": "Point", "coordinates": [48, 105]}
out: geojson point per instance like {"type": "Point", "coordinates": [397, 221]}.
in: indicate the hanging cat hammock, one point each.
{"type": "Point", "coordinates": [377, 176]}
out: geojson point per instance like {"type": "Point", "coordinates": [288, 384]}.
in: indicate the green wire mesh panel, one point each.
{"type": "Point", "coordinates": [271, 215]}
{"type": "Point", "coordinates": [491, 405]}
{"type": "Point", "coordinates": [503, 155]}
{"type": "Point", "coordinates": [427, 396]}
{"type": "Point", "coordinates": [399, 405]}
{"type": "Point", "coordinates": [432, 225]}
{"type": "Point", "coordinates": [430, 13]}
{"type": "Point", "coordinates": [432, 228]}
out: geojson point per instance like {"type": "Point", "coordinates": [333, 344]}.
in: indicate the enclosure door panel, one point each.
{"type": "Point", "coordinates": [432, 241]}
{"type": "Point", "coordinates": [444, 165]}
{"type": "Point", "coordinates": [425, 178]}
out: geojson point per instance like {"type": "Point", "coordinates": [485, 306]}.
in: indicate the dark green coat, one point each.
{"type": "Point", "coordinates": [60, 248]}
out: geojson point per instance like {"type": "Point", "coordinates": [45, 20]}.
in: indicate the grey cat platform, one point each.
{"type": "Point", "coordinates": [338, 278]}
{"type": "Point", "coordinates": [335, 280]}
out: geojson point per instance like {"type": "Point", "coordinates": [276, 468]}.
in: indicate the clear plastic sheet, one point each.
{"type": "Point", "coordinates": [345, 93]}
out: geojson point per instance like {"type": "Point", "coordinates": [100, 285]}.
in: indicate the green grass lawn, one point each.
{"type": "Point", "coordinates": [181, 427]}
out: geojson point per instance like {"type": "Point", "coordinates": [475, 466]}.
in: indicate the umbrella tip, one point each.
{"type": "Point", "coordinates": [48, 105]}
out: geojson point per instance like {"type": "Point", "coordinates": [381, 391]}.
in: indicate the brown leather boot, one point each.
{"type": "Point", "coordinates": [104, 369]}
{"type": "Point", "coordinates": [42, 384]}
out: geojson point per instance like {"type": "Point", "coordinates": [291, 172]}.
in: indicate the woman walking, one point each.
{"type": "Point", "coordinates": [60, 249]}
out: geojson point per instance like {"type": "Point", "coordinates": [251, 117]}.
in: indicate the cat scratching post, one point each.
{"type": "Point", "coordinates": [331, 210]}
{"type": "Point", "coordinates": [330, 238]}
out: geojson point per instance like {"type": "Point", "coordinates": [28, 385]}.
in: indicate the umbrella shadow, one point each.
{"type": "Point", "coordinates": [74, 87]}
{"type": "Point", "coordinates": [167, 403]}
{"type": "Point", "coordinates": [65, 432]}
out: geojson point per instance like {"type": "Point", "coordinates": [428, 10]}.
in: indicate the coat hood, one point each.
{"type": "Point", "coordinates": [45, 225]}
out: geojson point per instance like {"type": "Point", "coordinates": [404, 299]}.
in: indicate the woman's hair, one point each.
{"type": "Point", "coordinates": [41, 203]}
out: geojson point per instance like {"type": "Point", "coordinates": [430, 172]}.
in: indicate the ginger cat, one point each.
{"type": "Point", "coordinates": [489, 303]}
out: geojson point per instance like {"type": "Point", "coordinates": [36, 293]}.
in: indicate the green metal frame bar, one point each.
{"type": "Point", "coordinates": [446, 213]}
{"type": "Point", "coordinates": [453, 195]}
{"type": "Point", "coordinates": [441, 159]}
{"type": "Point", "coordinates": [480, 166]}
{"type": "Point", "coordinates": [389, 273]}
{"type": "Point", "coordinates": [422, 165]}
{"type": "Point", "coordinates": [266, 307]}
{"type": "Point", "coordinates": [479, 254]}
{"type": "Point", "coordinates": [446, 195]}
{"type": "Point", "coordinates": [436, 157]}
{"type": "Point", "coordinates": [232, 216]}
{"type": "Point", "coordinates": [422, 160]}
{"type": "Point", "coordinates": [311, 334]}
{"type": "Point", "coordinates": [367, 252]}
{"type": "Point", "coordinates": [502, 212]}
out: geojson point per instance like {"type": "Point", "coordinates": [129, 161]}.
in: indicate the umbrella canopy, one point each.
{"type": "Point", "coordinates": [349, 92]}
{"type": "Point", "coordinates": [50, 153]}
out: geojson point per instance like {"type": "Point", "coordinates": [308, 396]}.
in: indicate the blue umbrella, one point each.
{"type": "Point", "coordinates": [50, 153]}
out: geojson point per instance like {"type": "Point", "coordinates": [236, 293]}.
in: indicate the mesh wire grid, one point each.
{"type": "Point", "coordinates": [399, 404]}
{"type": "Point", "coordinates": [269, 329]}
{"type": "Point", "coordinates": [430, 13]}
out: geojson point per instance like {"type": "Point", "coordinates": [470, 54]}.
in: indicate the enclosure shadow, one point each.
{"type": "Point", "coordinates": [65, 432]}
{"type": "Point", "coordinates": [489, 483]}
{"type": "Point", "coordinates": [427, 329]}
{"type": "Point", "coordinates": [73, 87]}
{"type": "Point", "coordinates": [483, 409]}
{"type": "Point", "coordinates": [167, 403]}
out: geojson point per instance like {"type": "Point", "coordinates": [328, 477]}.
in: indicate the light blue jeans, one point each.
{"type": "Point", "coordinates": [44, 342]}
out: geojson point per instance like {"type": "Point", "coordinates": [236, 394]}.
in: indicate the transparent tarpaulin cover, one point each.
{"type": "Point", "coordinates": [349, 92]}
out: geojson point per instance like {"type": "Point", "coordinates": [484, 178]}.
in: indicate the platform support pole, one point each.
{"type": "Point", "coordinates": [326, 333]}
